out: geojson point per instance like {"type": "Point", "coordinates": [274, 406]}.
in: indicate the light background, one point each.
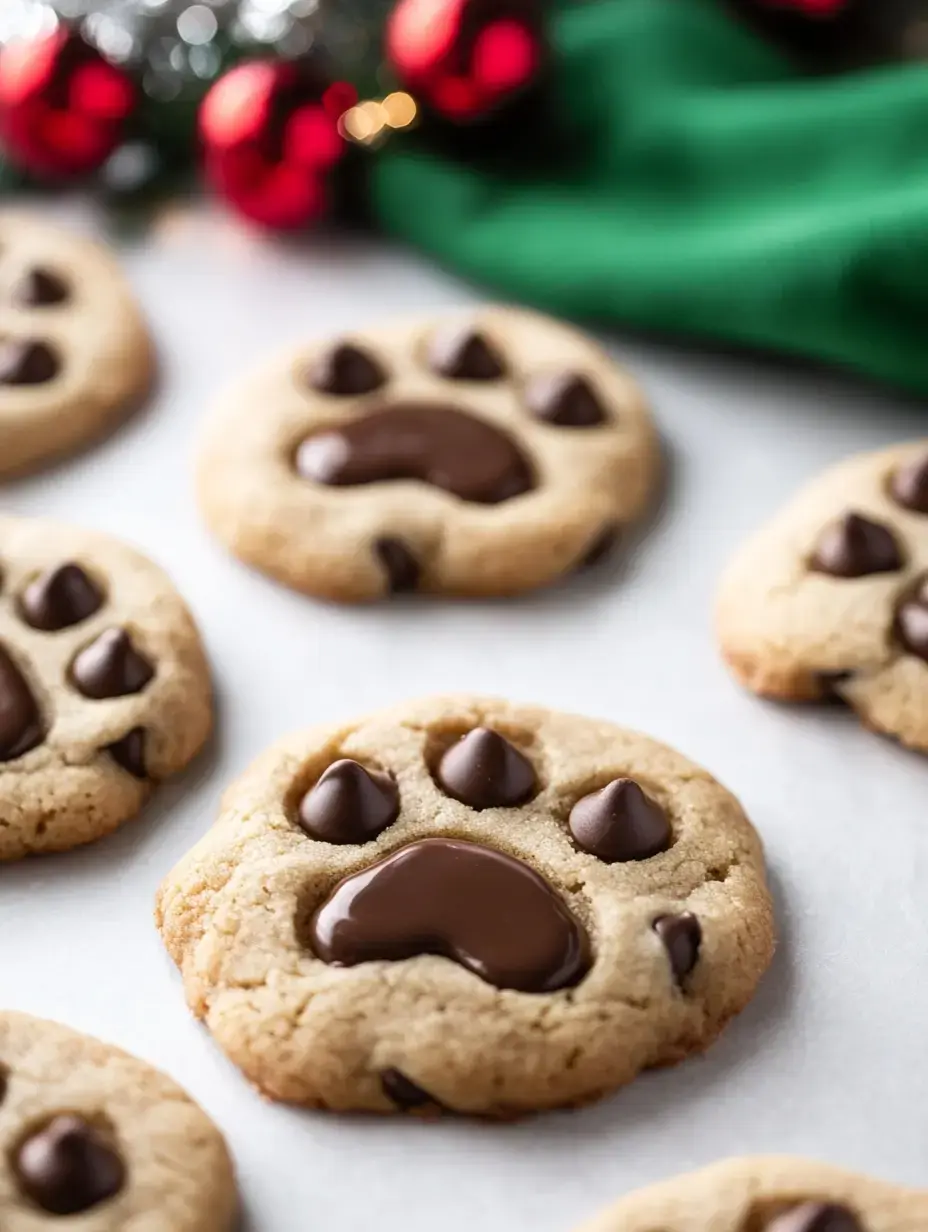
{"type": "Point", "coordinates": [829, 1060]}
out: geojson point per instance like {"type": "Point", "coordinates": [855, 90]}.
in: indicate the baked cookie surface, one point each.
{"type": "Point", "coordinates": [831, 596]}
{"type": "Point", "coordinates": [104, 686]}
{"type": "Point", "coordinates": [768, 1194]}
{"type": "Point", "coordinates": [94, 1139]}
{"type": "Point", "coordinates": [486, 454]}
{"type": "Point", "coordinates": [467, 906]}
{"type": "Point", "coordinates": [75, 354]}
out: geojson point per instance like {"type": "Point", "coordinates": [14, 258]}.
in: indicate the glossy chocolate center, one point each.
{"type": "Point", "coordinates": [438, 445]}
{"type": "Point", "coordinates": [476, 906]}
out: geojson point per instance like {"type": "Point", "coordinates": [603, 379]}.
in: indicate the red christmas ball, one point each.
{"type": "Point", "coordinates": [63, 107]}
{"type": "Point", "coordinates": [271, 140]}
{"type": "Point", "coordinates": [465, 58]}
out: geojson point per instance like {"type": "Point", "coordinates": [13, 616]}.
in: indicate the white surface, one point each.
{"type": "Point", "coordinates": [830, 1058]}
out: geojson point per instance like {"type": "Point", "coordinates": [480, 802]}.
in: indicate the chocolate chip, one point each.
{"type": "Point", "coordinates": [68, 1167]}
{"type": "Point", "coordinates": [349, 804]}
{"type": "Point", "coordinates": [401, 567]}
{"type": "Point", "coordinates": [60, 598]}
{"type": "Point", "coordinates": [477, 907]}
{"type": "Point", "coordinates": [912, 620]}
{"type": "Point", "coordinates": [856, 547]}
{"type": "Point", "coordinates": [682, 937]}
{"type": "Point", "coordinates": [565, 400]}
{"type": "Point", "coordinates": [129, 753]}
{"type": "Point", "coordinates": [816, 1217]}
{"type": "Point", "coordinates": [909, 486]}
{"type": "Point", "coordinates": [620, 823]}
{"type": "Point", "coordinates": [21, 727]}
{"type": "Point", "coordinates": [600, 548]}
{"type": "Point", "coordinates": [402, 1091]}
{"type": "Point", "coordinates": [485, 771]}
{"type": "Point", "coordinates": [40, 288]}
{"type": "Point", "coordinates": [27, 362]}
{"type": "Point", "coordinates": [347, 371]}
{"type": "Point", "coordinates": [439, 445]}
{"type": "Point", "coordinates": [460, 353]}
{"type": "Point", "coordinates": [111, 667]}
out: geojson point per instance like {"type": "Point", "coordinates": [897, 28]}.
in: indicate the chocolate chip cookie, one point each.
{"type": "Point", "coordinates": [768, 1194]}
{"type": "Point", "coordinates": [466, 906]}
{"type": "Point", "coordinates": [93, 1138]}
{"type": "Point", "coordinates": [104, 687]}
{"type": "Point", "coordinates": [75, 354]}
{"type": "Point", "coordinates": [485, 455]}
{"type": "Point", "coordinates": [830, 599]}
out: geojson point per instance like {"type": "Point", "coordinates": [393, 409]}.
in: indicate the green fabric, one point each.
{"type": "Point", "coordinates": [696, 183]}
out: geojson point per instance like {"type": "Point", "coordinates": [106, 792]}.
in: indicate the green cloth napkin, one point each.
{"type": "Point", "coordinates": [693, 181]}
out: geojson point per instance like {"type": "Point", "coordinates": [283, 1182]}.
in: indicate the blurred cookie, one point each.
{"type": "Point", "coordinates": [830, 598]}
{"type": "Point", "coordinates": [485, 455]}
{"type": "Point", "coordinates": [464, 905]}
{"type": "Point", "coordinates": [767, 1194]}
{"type": "Point", "coordinates": [104, 687]}
{"type": "Point", "coordinates": [91, 1137]}
{"type": "Point", "coordinates": [75, 354]}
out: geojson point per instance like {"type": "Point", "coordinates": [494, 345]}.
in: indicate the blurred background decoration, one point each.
{"type": "Point", "coordinates": [750, 172]}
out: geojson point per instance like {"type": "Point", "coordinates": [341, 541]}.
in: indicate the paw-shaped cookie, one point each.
{"type": "Point", "coordinates": [485, 455]}
{"type": "Point", "coordinates": [468, 906]}
{"type": "Point", "coordinates": [831, 597]}
{"type": "Point", "coordinates": [768, 1194]}
{"type": "Point", "coordinates": [104, 688]}
{"type": "Point", "coordinates": [75, 355]}
{"type": "Point", "coordinates": [93, 1138]}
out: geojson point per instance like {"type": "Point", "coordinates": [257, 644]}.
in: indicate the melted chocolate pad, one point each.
{"type": "Point", "coordinates": [60, 598]}
{"type": "Point", "coordinates": [21, 727]}
{"type": "Point", "coordinates": [439, 445]}
{"type": "Point", "coordinates": [68, 1167]}
{"type": "Point", "coordinates": [816, 1217]}
{"type": "Point", "coordinates": [478, 907]}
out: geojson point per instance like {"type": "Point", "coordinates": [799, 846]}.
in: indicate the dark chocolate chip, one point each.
{"type": "Point", "coordinates": [60, 598]}
{"type": "Point", "coordinates": [485, 771]}
{"type": "Point", "coordinates": [492, 914]}
{"type": "Point", "coordinates": [129, 753]}
{"type": "Point", "coordinates": [460, 353]}
{"type": "Point", "coordinates": [40, 288]}
{"type": "Point", "coordinates": [347, 371]}
{"type": "Point", "coordinates": [111, 667]}
{"type": "Point", "coordinates": [402, 1091]}
{"type": "Point", "coordinates": [26, 362]}
{"type": "Point", "coordinates": [600, 548]}
{"type": "Point", "coordinates": [816, 1217]}
{"type": "Point", "coordinates": [912, 620]}
{"type": "Point", "coordinates": [564, 399]}
{"type": "Point", "coordinates": [21, 727]}
{"type": "Point", "coordinates": [439, 445]}
{"type": "Point", "coordinates": [682, 937]}
{"type": "Point", "coordinates": [856, 547]}
{"type": "Point", "coordinates": [401, 567]}
{"type": "Point", "coordinates": [349, 804]}
{"type": "Point", "coordinates": [909, 486]}
{"type": "Point", "coordinates": [620, 823]}
{"type": "Point", "coordinates": [68, 1167]}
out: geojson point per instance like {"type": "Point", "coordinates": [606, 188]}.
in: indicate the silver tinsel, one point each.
{"type": "Point", "coordinates": [176, 45]}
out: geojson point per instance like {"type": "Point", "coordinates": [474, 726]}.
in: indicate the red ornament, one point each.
{"type": "Point", "coordinates": [63, 107]}
{"type": "Point", "coordinates": [465, 58]}
{"type": "Point", "coordinates": [271, 141]}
